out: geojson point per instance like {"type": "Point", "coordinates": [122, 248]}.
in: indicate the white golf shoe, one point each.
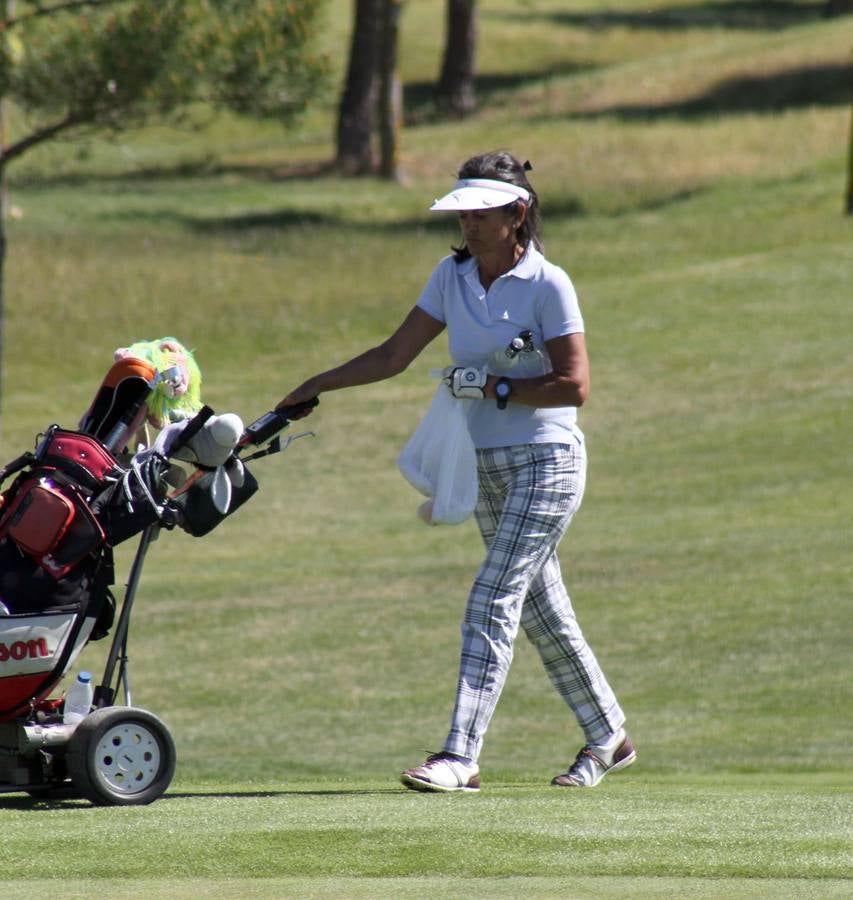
{"type": "Point", "coordinates": [443, 772]}
{"type": "Point", "coordinates": [596, 760]}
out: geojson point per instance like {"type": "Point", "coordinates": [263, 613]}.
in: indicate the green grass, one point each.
{"type": "Point", "coordinates": [335, 837]}
{"type": "Point", "coordinates": [306, 651]}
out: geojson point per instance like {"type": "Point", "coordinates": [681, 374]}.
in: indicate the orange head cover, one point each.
{"type": "Point", "coordinates": [119, 407]}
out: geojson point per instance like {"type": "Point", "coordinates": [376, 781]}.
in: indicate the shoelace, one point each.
{"type": "Point", "coordinates": [584, 752]}
{"type": "Point", "coordinates": [435, 758]}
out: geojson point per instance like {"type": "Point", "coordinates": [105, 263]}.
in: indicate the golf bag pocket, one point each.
{"type": "Point", "coordinates": [85, 460]}
{"type": "Point", "coordinates": [84, 536]}
{"type": "Point", "coordinates": [38, 518]}
{"type": "Point", "coordinates": [52, 523]}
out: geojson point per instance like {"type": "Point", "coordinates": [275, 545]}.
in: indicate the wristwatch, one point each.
{"type": "Point", "coordinates": [503, 388]}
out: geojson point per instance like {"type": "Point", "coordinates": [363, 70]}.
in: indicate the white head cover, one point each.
{"type": "Point", "coordinates": [480, 193]}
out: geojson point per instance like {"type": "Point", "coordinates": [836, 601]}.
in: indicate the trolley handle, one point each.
{"type": "Point", "coordinates": [271, 423]}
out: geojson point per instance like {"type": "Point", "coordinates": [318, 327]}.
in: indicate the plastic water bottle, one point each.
{"type": "Point", "coordinates": [78, 700]}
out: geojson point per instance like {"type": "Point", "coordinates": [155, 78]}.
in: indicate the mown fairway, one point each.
{"type": "Point", "coordinates": [691, 165]}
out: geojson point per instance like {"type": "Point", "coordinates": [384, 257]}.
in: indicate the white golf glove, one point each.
{"type": "Point", "coordinates": [466, 382]}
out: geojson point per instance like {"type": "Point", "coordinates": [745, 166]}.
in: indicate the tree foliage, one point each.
{"type": "Point", "coordinates": [117, 63]}
{"type": "Point", "coordinates": [73, 66]}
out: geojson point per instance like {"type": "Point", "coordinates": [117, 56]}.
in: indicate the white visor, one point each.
{"type": "Point", "coordinates": [480, 193]}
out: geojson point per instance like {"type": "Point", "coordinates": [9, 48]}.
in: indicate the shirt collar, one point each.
{"type": "Point", "coordinates": [526, 267]}
{"type": "Point", "coordinates": [529, 264]}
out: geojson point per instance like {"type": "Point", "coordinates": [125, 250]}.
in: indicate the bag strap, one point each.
{"type": "Point", "coordinates": [24, 460]}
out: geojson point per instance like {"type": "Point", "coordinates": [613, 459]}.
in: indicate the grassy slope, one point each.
{"type": "Point", "coordinates": [312, 637]}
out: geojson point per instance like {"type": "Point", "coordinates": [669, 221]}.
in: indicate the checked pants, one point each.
{"type": "Point", "coordinates": [527, 497]}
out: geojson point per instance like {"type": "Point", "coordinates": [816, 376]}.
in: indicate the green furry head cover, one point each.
{"type": "Point", "coordinates": [177, 391]}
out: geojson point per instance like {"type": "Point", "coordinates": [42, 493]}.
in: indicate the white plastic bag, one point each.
{"type": "Point", "coordinates": [439, 460]}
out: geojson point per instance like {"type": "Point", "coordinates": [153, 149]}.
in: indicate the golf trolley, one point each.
{"type": "Point", "coordinates": [73, 500]}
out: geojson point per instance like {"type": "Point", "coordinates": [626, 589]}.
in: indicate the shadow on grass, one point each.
{"type": "Point", "coordinates": [285, 221]}
{"type": "Point", "coordinates": [553, 210]}
{"type": "Point", "coordinates": [752, 15]}
{"type": "Point", "coordinates": [421, 107]}
{"type": "Point", "coordinates": [239, 795]}
{"type": "Point", "coordinates": [823, 85]}
{"type": "Point", "coordinates": [200, 168]}
{"type": "Point", "coordinates": [288, 221]}
{"type": "Point", "coordinates": [69, 799]}
{"type": "Point", "coordinates": [280, 220]}
{"type": "Point", "coordinates": [42, 804]}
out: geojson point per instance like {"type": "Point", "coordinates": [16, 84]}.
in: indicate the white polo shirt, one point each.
{"type": "Point", "coordinates": [535, 296]}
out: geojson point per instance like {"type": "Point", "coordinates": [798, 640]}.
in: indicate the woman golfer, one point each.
{"type": "Point", "coordinates": [516, 339]}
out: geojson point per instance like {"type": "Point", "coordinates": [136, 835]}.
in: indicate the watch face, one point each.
{"type": "Point", "coordinates": [502, 389]}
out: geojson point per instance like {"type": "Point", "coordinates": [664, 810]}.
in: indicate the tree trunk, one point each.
{"type": "Point", "coordinates": [358, 102]}
{"type": "Point", "coordinates": [455, 91]}
{"type": "Point", "coordinates": [390, 91]}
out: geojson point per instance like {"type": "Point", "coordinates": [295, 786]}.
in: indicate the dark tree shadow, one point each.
{"type": "Point", "coordinates": [758, 15]}
{"type": "Point", "coordinates": [279, 220]}
{"type": "Point", "coordinates": [419, 99]}
{"type": "Point", "coordinates": [823, 85]}
{"type": "Point", "coordinates": [284, 220]}
{"type": "Point", "coordinates": [565, 207]}
{"type": "Point", "coordinates": [202, 167]}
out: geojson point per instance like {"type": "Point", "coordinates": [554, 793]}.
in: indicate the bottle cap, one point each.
{"type": "Point", "coordinates": [85, 677]}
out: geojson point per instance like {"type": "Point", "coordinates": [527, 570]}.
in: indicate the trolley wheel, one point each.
{"type": "Point", "coordinates": [121, 756]}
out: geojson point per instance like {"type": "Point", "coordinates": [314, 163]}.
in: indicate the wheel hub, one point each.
{"type": "Point", "coordinates": [128, 757]}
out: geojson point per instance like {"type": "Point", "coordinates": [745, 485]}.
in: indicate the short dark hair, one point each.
{"type": "Point", "coordinates": [503, 166]}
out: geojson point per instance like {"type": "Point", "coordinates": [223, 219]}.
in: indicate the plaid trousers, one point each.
{"type": "Point", "coordinates": [527, 497]}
